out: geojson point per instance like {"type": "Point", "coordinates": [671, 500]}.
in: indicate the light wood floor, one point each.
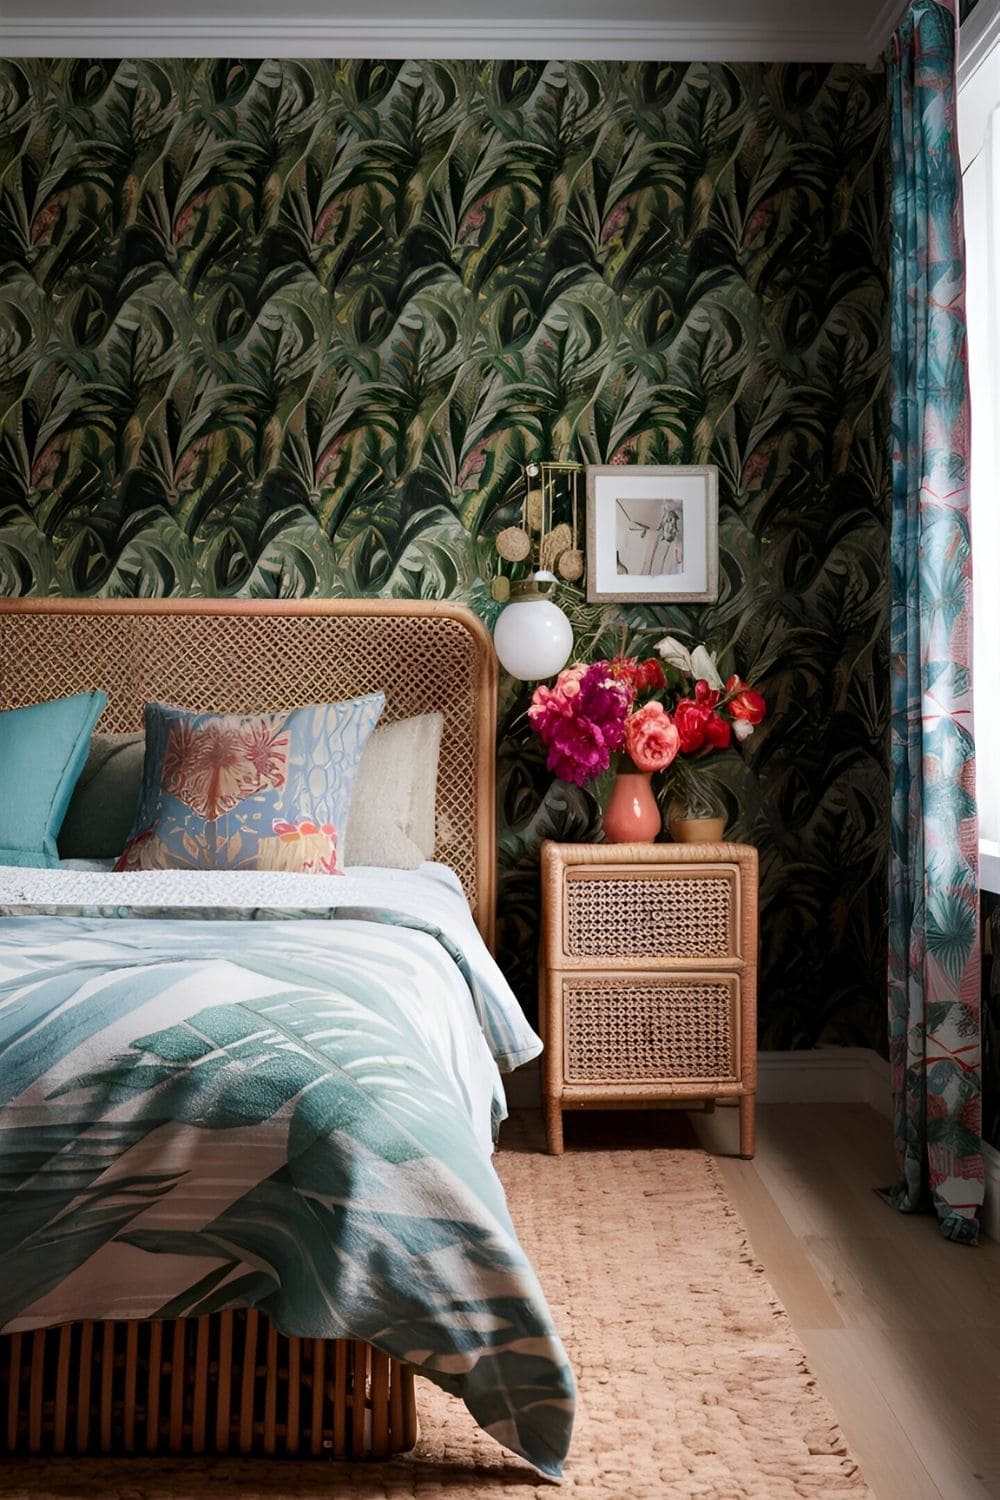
{"type": "Point", "coordinates": [901, 1327]}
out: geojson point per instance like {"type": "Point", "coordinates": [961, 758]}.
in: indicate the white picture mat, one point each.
{"type": "Point", "coordinates": [696, 493]}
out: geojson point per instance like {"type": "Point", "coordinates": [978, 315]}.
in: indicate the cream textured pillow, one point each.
{"type": "Point", "coordinates": [392, 814]}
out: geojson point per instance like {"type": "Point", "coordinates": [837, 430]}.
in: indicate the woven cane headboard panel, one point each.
{"type": "Point", "coordinates": [242, 656]}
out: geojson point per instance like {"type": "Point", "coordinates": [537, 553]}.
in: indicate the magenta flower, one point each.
{"type": "Point", "coordinates": [578, 750]}
{"type": "Point", "coordinates": [605, 701]}
{"type": "Point", "coordinates": [581, 719]}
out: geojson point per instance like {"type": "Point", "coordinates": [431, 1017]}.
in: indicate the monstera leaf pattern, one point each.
{"type": "Point", "coordinates": [278, 328]}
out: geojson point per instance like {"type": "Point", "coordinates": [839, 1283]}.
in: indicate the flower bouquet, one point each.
{"type": "Point", "coordinates": [640, 717]}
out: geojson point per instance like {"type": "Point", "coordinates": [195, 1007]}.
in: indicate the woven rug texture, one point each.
{"type": "Point", "coordinates": [691, 1380]}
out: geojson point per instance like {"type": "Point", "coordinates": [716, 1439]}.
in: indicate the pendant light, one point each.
{"type": "Point", "coordinates": [532, 637]}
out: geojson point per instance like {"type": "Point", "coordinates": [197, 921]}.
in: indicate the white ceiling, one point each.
{"type": "Point", "coordinates": [665, 30]}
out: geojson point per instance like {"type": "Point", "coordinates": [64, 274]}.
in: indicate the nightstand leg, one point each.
{"type": "Point", "coordinates": [748, 1129]}
{"type": "Point", "coordinates": [554, 1126]}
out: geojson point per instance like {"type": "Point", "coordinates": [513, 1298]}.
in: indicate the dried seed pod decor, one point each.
{"type": "Point", "coordinates": [534, 510]}
{"type": "Point", "coordinates": [570, 565]}
{"type": "Point", "coordinates": [513, 544]}
{"type": "Point", "coordinates": [554, 543]}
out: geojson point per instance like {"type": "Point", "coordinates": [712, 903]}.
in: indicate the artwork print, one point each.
{"type": "Point", "coordinates": [652, 533]}
{"type": "Point", "coordinates": [649, 537]}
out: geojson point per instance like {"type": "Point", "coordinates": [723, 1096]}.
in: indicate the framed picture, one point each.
{"type": "Point", "coordinates": [652, 533]}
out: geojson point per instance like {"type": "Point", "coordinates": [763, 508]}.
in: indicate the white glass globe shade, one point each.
{"type": "Point", "coordinates": [532, 639]}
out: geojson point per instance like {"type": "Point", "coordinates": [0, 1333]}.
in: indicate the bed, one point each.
{"type": "Point", "coordinates": [289, 1315]}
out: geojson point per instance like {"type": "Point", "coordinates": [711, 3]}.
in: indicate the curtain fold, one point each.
{"type": "Point", "coordinates": [934, 996]}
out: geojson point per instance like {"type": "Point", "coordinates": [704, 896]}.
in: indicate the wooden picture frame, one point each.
{"type": "Point", "coordinates": [652, 533]}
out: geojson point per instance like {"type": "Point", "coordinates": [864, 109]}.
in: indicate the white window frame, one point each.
{"type": "Point", "coordinates": [979, 146]}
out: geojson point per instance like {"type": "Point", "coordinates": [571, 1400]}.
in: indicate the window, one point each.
{"type": "Point", "coordinates": [979, 137]}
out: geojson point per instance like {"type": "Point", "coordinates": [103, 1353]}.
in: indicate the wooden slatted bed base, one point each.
{"type": "Point", "coordinates": [226, 1383]}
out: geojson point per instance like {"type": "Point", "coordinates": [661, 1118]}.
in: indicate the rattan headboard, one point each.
{"type": "Point", "coordinates": [247, 656]}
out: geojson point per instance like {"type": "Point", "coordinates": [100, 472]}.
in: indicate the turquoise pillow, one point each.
{"type": "Point", "coordinates": [248, 792]}
{"type": "Point", "coordinates": [43, 749]}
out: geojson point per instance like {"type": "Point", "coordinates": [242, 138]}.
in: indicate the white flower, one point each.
{"type": "Point", "coordinates": [703, 666]}
{"type": "Point", "coordinates": [742, 729]}
{"type": "Point", "coordinates": [674, 653]}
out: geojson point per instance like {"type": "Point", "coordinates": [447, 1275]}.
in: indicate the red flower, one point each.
{"type": "Point", "coordinates": [213, 765]}
{"type": "Point", "coordinates": [744, 702]}
{"type": "Point", "coordinates": [638, 676]}
{"type": "Point", "coordinates": [700, 728]}
{"type": "Point", "coordinates": [649, 676]}
{"type": "Point", "coordinates": [718, 732]}
{"type": "Point", "coordinates": [622, 667]}
{"type": "Point", "coordinates": [691, 719]}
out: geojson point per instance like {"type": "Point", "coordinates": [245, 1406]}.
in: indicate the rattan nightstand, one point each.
{"type": "Point", "coordinates": [648, 978]}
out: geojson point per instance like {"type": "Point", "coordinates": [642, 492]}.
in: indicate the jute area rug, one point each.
{"type": "Point", "coordinates": [691, 1380]}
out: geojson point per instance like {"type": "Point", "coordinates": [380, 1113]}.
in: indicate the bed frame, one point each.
{"type": "Point", "coordinates": [231, 1382]}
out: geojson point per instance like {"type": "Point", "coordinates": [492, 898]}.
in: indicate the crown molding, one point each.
{"type": "Point", "coordinates": [179, 36]}
{"type": "Point", "coordinates": [977, 36]}
{"type": "Point", "coordinates": [884, 25]}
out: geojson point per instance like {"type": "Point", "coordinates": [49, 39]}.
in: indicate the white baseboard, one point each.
{"type": "Point", "coordinates": [824, 1075]}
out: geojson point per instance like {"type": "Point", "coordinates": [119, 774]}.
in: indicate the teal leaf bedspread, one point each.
{"type": "Point", "coordinates": [291, 1115]}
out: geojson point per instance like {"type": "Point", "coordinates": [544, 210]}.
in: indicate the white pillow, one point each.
{"type": "Point", "coordinates": [392, 812]}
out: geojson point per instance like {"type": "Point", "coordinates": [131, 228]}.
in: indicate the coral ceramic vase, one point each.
{"type": "Point", "coordinates": [632, 815]}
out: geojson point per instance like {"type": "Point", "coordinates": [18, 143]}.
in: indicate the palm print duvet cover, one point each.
{"type": "Point", "coordinates": [200, 1111]}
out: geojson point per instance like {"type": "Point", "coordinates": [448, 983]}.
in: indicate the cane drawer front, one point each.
{"type": "Point", "coordinates": [647, 915]}
{"type": "Point", "coordinates": [649, 1028]}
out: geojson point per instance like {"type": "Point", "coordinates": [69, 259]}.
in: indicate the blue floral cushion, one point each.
{"type": "Point", "coordinates": [254, 792]}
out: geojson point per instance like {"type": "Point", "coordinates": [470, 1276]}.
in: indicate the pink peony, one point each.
{"type": "Point", "coordinates": [550, 704]}
{"type": "Point", "coordinates": [651, 738]}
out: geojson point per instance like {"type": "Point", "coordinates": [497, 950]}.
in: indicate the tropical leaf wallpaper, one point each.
{"type": "Point", "coordinates": [279, 328]}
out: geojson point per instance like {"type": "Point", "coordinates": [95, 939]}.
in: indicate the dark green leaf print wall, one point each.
{"type": "Point", "coordinates": [278, 328]}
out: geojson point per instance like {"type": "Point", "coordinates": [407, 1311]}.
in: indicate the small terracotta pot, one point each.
{"type": "Point", "coordinates": [632, 815]}
{"type": "Point", "coordinates": [697, 830]}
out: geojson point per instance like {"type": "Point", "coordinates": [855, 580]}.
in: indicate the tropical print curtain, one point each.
{"type": "Point", "coordinates": [934, 1022]}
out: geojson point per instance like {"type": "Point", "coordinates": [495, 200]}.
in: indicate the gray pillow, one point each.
{"type": "Point", "coordinates": [99, 817]}
{"type": "Point", "coordinates": [392, 814]}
